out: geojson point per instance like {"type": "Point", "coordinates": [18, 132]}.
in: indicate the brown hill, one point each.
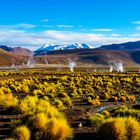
{"type": "Point", "coordinates": [21, 51]}
{"type": "Point", "coordinates": [80, 56]}
{"type": "Point", "coordinates": [17, 50]}
{"type": "Point", "coordinates": [94, 56]}
{"type": "Point", "coordinates": [7, 58]}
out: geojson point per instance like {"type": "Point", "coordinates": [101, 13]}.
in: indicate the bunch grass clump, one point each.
{"type": "Point", "coordinates": [133, 129]}
{"type": "Point", "coordinates": [22, 133]}
{"type": "Point", "coordinates": [96, 119]}
{"type": "Point", "coordinates": [124, 111]}
{"type": "Point", "coordinates": [59, 129]}
{"type": "Point", "coordinates": [43, 120]}
{"type": "Point", "coordinates": [40, 121]}
{"type": "Point", "coordinates": [8, 100]}
{"type": "Point", "coordinates": [120, 129]}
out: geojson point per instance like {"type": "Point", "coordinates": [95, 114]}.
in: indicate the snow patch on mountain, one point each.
{"type": "Point", "coordinates": [52, 47]}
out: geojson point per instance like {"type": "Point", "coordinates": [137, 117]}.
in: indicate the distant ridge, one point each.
{"type": "Point", "coordinates": [123, 46]}
{"type": "Point", "coordinates": [93, 56]}
{"type": "Point", "coordinates": [128, 53]}
{"type": "Point", "coordinates": [47, 48]}
{"type": "Point", "coordinates": [7, 58]}
{"type": "Point", "coordinates": [17, 50]}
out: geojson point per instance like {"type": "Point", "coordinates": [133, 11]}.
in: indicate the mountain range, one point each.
{"type": "Point", "coordinates": [123, 46]}
{"type": "Point", "coordinates": [128, 53]}
{"type": "Point", "coordinates": [50, 47]}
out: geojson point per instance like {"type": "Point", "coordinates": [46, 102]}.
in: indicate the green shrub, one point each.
{"type": "Point", "coordinates": [125, 112]}
{"type": "Point", "coordinates": [106, 113]}
{"type": "Point", "coordinates": [58, 103]}
{"type": "Point", "coordinates": [96, 119]}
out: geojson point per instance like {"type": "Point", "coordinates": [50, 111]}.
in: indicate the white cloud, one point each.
{"type": "Point", "coordinates": [44, 20]}
{"type": "Point", "coordinates": [64, 26]}
{"type": "Point", "coordinates": [37, 39]}
{"type": "Point", "coordinates": [58, 26]}
{"type": "Point", "coordinates": [15, 26]}
{"type": "Point", "coordinates": [115, 35]}
{"type": "Point", "coordinates": [136, 22]}
{"type": "Point", "coordinates": [138, 28]}
{"type": "Point", "coordinates": [135, 35]}
{"type": "Point", "coordinates": [25, 25]}
{"type": "Point", "coordinates": [103, 30]}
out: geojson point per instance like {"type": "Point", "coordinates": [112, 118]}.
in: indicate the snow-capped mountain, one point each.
{"type": "Point", "coordinates": [53, 47]}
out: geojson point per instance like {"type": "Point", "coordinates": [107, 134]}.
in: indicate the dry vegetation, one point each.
{"type": "Point", "coordinates": [47, 104]}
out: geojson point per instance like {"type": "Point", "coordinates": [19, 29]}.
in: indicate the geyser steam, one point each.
{"type": "Point", "coordinates": [72, 64]}
{"type": "Point", "coordinates": [111, 69]}
{"type": "Point", "coordinates": [119, 67]}
{"type": "Point", "coordinates": [30, 62]}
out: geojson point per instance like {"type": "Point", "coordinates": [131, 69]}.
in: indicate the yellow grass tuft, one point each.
{"type": "Point", "coordinates": [120, 129]}
{"type": "Point", "coordinates": [8, 100]}
{"type": "Point", "coordinates": [40, 121]}
{"type": "Point", "coordinates": [22, 133]}
{"type": "Point", "coordinates": [133, 129]}
{"type": "Point", "coordinates": [59, 129]}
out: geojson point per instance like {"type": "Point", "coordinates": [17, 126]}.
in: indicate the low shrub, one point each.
{"type": "Point", "coordinates": [96, 119]}
{"type": "Point", "coordinates": [120, 129]}
{"type": "Point", "coordinates": [106, 113]}
{"type": "Point", "coordinates": [43, 120]}
{"type": "Point", "coordinates": [133, 129]}
{"type": "Point", "coordinates": [22, 133]}
{"type": "Point", "coordinates": [40, 120]}
{"type": "Point", "coordinates": [59, 129]}
{"type": "Point", "coordinates": [8, 100]}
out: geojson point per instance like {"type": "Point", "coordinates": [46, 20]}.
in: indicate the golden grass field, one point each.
{"type": "Point", "coordinates": [46, 103]}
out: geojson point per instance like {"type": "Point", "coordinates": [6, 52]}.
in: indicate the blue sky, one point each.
{"type": "Point", "coordinates": [33, 23]}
